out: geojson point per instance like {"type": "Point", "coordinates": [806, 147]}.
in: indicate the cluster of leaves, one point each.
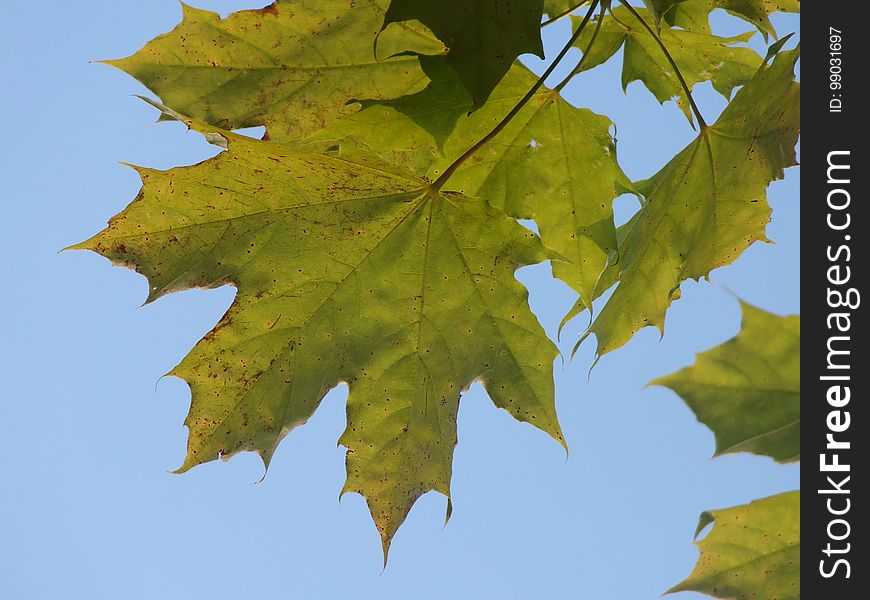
{"type": "Point", "coordinates": [372, 233]}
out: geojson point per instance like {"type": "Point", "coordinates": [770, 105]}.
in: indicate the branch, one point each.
{"type": "Point", "coordinates": [448, 172]}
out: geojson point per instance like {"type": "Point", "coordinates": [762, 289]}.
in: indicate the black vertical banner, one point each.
{"type": "Point", "coordinates": [834, 259]}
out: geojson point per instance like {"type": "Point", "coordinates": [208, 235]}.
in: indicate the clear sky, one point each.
{"type": "Point", "coordinates": [88, 508]}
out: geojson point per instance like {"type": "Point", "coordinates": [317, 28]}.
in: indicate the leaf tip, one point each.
{"type": "Point", "coordinates": [448, 512]}
{"type": "Point", "coordinates": [680, 587]}
{"type": "Point", "coordinates": [191, 460]}
{"type": "Point", "coordinates": [85, 245]}
{"type": "Point", "coordinates": [189, 12]}
{"type": "Point", "coordinates": [115, 63]}
{"type": "Point", "coordinates": [658, 382]}
{"type": "Point", "coordinates": [386, 540]}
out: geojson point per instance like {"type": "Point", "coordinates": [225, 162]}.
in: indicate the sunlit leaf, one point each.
{"type": "Point", "coordinates": [748, 389]}
{"type": "Point", "coordinates": [700, 56]}
{"type": "Point", "coordinates": [753, 551]}
{"type": "Point", "coordinates": [707, 205]}
{"type": "Point", "coordinates": [292, 66]}
{"type": "Point", "coordinates": [346, 271]}
{"type": "Point", "coordinates": [694, 14]}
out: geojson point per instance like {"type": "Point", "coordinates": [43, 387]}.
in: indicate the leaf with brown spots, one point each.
{"type": "Point", "coordinates": [347, 271]}
{"type": "Point", "coordinates": [292, 66]}
{"type": "Point", "coordinates": [753, 551]}
{"type": "Point", "coordinates": [707, 205]}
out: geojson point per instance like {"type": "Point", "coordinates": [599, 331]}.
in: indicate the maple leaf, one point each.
{"type": "Point", "coordinates": [748, 389]}
{"type": "Point", "coordinates": [701, 56]}
{"type": "Point", "coordinates": [554, 163]}
{"type": "Point", "coordinates": [347, 271]}
{"type": "Point", "coordinates": [293, 66]}
{"type": "Point", "coordinates": [707, 205]}
{"type": "Point", "coordinates": [753, 551]}
{"type": "Point", "coordinates": [484, 36]}
{"type": "Point", "coordinates": [695, 14]}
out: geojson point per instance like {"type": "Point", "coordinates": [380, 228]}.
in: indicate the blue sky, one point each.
{"type": "Point", "coordinates": [88, 508]}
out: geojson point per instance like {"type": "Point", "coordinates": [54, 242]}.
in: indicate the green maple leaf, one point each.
{"type": "Point", "coordinates": [752, 552]}
{"type": "Point", "coordinates": [553, 163]}
{"type": "Point", "coordinates": [707, 205]}
{"type": "Point", "coordinates": [694, 14]}
{"type": "Point", "coordinates": [347, 271]}
{"type": "Point", "coordinates": [701, 57]}
{"type": "Point", "coordinates": [292, 66]}
{"type": "Point", "coordinates": [748, 389]}
{"type": "Point", "coordinates": [483, 36]}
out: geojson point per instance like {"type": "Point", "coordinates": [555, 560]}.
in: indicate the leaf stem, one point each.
{"type": "Point", "coordinates": [701, 123]}
{"type": "Point", "coordinates": [563, 14]}
{"type": "Point", "coordinates": [582, 60]}
{"type": "Point", "coordinates": [448, 172]}
{"type": "Point", "coordinates": [615, 18]}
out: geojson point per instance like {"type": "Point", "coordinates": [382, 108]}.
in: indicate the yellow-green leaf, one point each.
{"type": "Point", "coordinates": [707, 205]}
{"type": "Point", "coordinates": [292, 66]}
{"type": "Point", "coordinates": [553, 163]}
{"type": "Point", "coordinates": [700, 56]}
{"type": "Point", "coordinates": [694, 14]}
{"type": "Point", "coordinates": [748, 389]}
{"type": "Point", "coordinates": [484, 36]}
{"type": "Point", "coordinates": [753, 551]}
{"type": "Point", "coordinates": [346, 271]}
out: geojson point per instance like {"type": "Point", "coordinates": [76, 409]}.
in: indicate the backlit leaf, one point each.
{"type": "Point", "coordinates": [694, 14]}
{"type": "Point", "coordinates": [700, 56]}
{"type": "Point", "coordinates": [292, 66]}
{"type": "Point", "coordinates": [707, 205]}
{"type": "Point", "coordinates": [753, 551]}
{"type": "Point", "coordinates": [346, 271]}
{"type": "Point", "coordinates": [748, 389]}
